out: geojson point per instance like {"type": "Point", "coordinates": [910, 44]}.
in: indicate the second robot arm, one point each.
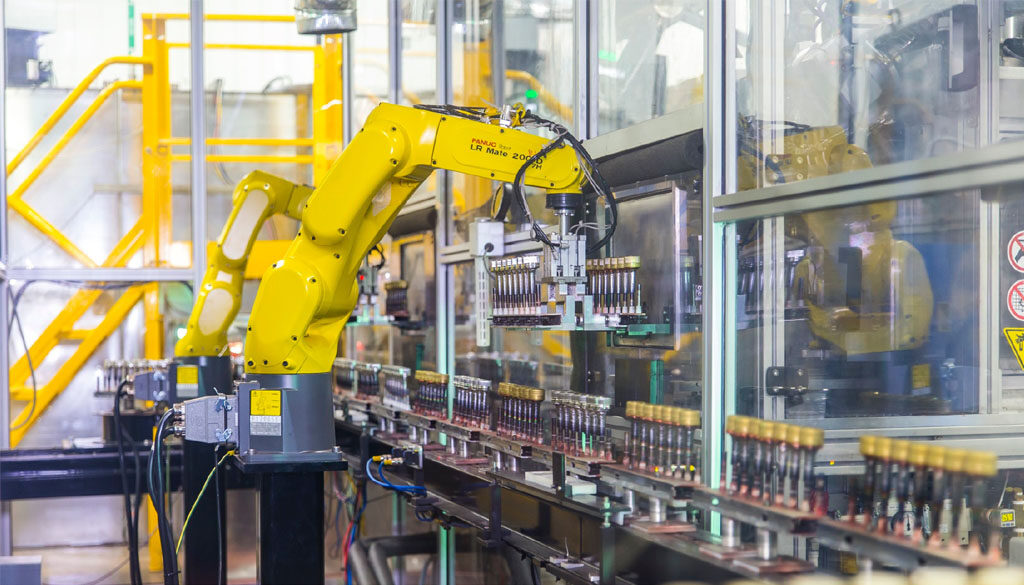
{"type": "Point", "coordinates": [257, 197]}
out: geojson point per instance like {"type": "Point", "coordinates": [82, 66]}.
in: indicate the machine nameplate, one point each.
{"type": "Point", "coordinates": [267, 426]}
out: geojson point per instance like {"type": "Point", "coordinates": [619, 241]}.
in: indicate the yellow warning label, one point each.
{"type": "Point", "coordinates": [1015, 337]}
{"type": "Point", "coordinates": [265, 403]}
{"type": "Point", "coordinates": [188, 375]}
{"type": "Point", "coordinates": [1007, 519]}
{"type": "Point", "coordinates": [921, 376]}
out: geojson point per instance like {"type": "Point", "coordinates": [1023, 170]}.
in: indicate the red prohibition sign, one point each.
{"type": "Point", "coordinates": [1015, 300]}
{"type": "Point", "coordinates": [1015, 251]}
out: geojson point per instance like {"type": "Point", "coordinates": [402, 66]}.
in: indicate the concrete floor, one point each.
{"type": "Point", "coordinates": [84, 564]}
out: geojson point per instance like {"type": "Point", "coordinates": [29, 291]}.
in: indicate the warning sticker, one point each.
{"type": "Point", "coordinates": [1015, 251]}
{"type": "Point", "coordinates": [265, 412]}
{"type": "Point", "coordinates": [1007, 519]}
{"type": "Point", "coordinates": [1015, 337]}
{"type": "Point", "coordinates": [187, 381]}
{"type": "Point", "coordinates": [1015, 300]}
{"type": "Point", "coordinates": [265, 403]}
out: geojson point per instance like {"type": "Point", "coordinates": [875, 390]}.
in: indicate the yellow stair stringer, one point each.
{"type": "Point", "coordinates": [48, 391]}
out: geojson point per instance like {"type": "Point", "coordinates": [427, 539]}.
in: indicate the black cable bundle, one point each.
{"type": "Point", "coordinates": [562, 135]}
{"type": "Point", "coordinates": [156, 496]}
{"type": "Point", "coordinates": [590, 168]}
{"type": "Point", "coordinates": [131, 519]}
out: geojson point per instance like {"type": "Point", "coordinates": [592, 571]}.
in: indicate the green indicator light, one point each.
{"type": "Point", "coordinates": [714, 501]}
{"type": "Point", "coordinates": [531, 94]}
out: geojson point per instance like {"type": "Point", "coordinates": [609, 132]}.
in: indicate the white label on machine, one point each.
{"type": "Point", "coordinates": [1015, 251]}
{"type": "Point", "coordinates": [482, 280]}
{"type": "Point", "coordinates": [267, 426]}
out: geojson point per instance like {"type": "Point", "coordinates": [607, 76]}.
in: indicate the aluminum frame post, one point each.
{"type": "Point", "coordinates": [197, 144]}
{"type": "Point", "coordinates": [5, 395]}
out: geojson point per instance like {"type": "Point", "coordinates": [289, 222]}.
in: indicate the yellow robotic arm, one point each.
{"type": "Point", "coordinates": [257, 197]}
{"type": "Point", "coordinates": [304, 299]}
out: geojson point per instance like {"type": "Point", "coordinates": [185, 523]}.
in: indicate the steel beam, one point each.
{"type": "Point", "coordinates": [197, 145]}
{"type": "Point", "coordinates": [5, 395]}
{"type": "Point", "coordinates": [85, 275]}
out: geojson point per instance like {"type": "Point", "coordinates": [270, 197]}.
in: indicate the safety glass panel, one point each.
{"type": "Point", "coordinates": [650, 59]}
{"type": "Point", "coordinates": [866, 310]}
{"type": "Point", "coordinates": [828, 86]}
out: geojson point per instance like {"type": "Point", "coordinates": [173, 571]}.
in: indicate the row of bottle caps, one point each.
{"type": "Point", "coordinates": [920, 455]}
{"type": "Point", "coordinates": [660, 413]}
{"type": "Point", "coordinates": [748, 427]}
{"type": "Point", "coordinates": [520, 391]}
{"type": "Point", "coordinates": [618, 263]}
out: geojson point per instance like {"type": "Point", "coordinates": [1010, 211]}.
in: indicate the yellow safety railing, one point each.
{"type": "Point", "coordinates": [151, 232]}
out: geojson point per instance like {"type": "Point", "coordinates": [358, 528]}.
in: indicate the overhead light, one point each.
{"type": "Point", "coordinates": [325, 17]}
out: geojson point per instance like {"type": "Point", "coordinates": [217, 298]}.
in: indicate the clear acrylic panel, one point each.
{"type": "Point", "coordinates": [650, 59]}
{"type": "Point", "coordinates": [539, 44]}
{"type": "Point", "coordinates": [536, 39]}
{"type": "Point", "coordinates": [865, 310]}
{"type": "Point", "coordinates": [829, 87]}
{"type": "Point", "coordinates": [369, 60]}
{"type": "Point", "coordinates": [89, 133]}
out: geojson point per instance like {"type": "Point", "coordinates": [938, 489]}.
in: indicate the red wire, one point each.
{"type": "Point", "coordinates": [348, 531]}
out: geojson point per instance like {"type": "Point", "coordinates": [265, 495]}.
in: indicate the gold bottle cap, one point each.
{"type": "Point", "coordinates": [768, 430]}
{"type": "Point", "coordinates": [781, 431]}
{"type": "Point", "coordinates": [647, 411]}
{"type": "Point", "coordinates": [812, 438]}
{"type": "Point", "coordinates": [662, 413]}
{"type": "Point", "coordinates": [743, 426]}
{"type": "Point", "coordinates": [936, 457]}
{"type": "Point", "coordinates": [900, 450]}
{"type": "Point", "coordinates": [883, 448]}
{"type": "Point", "coordinates": [955, 460]}
{"type": "Point", "coordinates": [536, 394]}
{"type": "Point", "coordinates": [620, 263]}
{"type": "Point", "coordinates": [631, 409]}
{"type": "Point", "coordinates": [918, 456]}
{"type": "Point", "coordinates": [981, 464]}
{"type": "Point", "coordinates": [677, 416]}
{"type": "Point", "coordinates": [793, 435]}
{"type": "Point", "coordinates": [632, 261]}
{"type": "Point", "coordinates": [867, 445]}
{"type": "Point", "coordinates": [692, 418]}
{"type": "Point", "coordinates": [730, 424]}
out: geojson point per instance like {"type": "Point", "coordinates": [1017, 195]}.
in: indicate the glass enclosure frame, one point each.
{"type": "Point", "coordinates": [983, 168]}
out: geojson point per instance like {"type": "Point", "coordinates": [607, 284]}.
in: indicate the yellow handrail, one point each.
{"type": "Point", "coordinates": [76, 306]}
{"type": "Point", "coordinates": [68, 102]}
{"type": "Point", "coordinates": [15, 198]}
{"type": "Point", "coordinates": [185, 141]}
{"type": "Point", "coordinates": [228, 17]}
{"type": "Point", "coordinates": [245, 47]}
{"type": "Point", "coordinates": [248, 158]}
